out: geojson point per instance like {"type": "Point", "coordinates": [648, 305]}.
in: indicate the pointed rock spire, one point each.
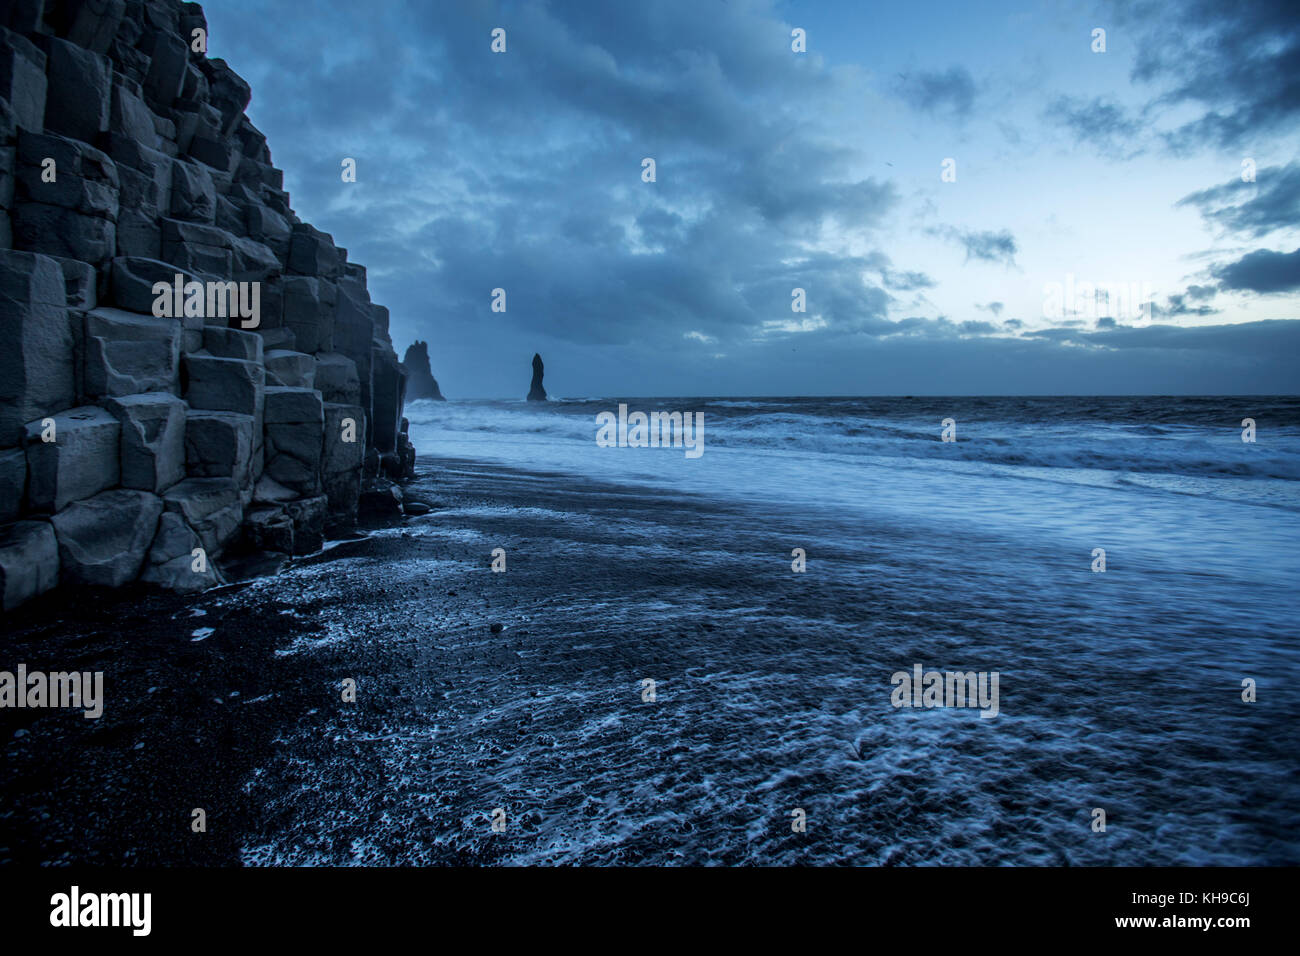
{"type": "Point", "coordinates": [537, 393]}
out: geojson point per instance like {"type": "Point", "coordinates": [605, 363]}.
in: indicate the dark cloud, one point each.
{"type": "Point", "coordinates": [1256, 208]}
{"type": "Point", "coordinates": [896, 280]}
{"type": "Point", "coordinates": [1237, 63]}
{"type": "Point", "coordinates": [986, 245]}
{"type": "Point", "coordinates": [523, 171]}
{"type": "Point", "coordinates": [951, 91]}
{"type": "Point", "coordinates": [1251, 358]}
{"type": "Point", "coordinates": [1262, 271]}
{"type": "Point", "coordinates": [906, 281]}
{"type": "Point", "coordinates": [1100, 123]}
{"type": "Point", "coordinates": [1177, 305]}
{"type": "Point", "coordinates": [1243, 339]}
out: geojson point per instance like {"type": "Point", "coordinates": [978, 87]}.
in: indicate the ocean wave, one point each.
{"type": "Point", "coordinates": [1065, 440]}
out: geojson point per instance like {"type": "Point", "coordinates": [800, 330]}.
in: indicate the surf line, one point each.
{"type": "Point", "coordinates": [656, 430]}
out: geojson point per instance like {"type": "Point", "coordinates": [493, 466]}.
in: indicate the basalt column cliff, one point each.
{"type": "Point", "coordinates": [188, 371]}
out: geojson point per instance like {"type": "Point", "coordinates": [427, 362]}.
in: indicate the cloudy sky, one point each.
{"type": "Point", "coordinates": [943, 180]}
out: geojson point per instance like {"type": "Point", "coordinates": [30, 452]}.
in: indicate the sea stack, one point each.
{"type": "Point", "coordinates": [420, 382]}
{"type": "Point", "coordinates": [537, 393]}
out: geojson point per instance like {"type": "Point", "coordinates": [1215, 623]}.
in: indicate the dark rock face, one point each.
{"type": "Point", "coordinates": [420, 382]}
{"type": "Point", "coordinates": [536, 393]}
{"type": "Point", "coordinates": [142, 441]}
{"type": "Point", "coordinates": [406, 452]}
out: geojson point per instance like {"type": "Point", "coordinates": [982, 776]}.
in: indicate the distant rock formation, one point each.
{"type": "Point", "coordinates": [140, 440]}
{"type": "Point", "coordinates": [537, 393]}
{"type": "Point", "coordinates": [420, 382]}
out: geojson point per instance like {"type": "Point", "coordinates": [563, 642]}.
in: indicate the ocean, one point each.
{"type": "Point", "coordinates": [769, 734]}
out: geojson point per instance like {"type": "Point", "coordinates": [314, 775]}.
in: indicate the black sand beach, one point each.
{"type": "Point", "coordinates": [523, 691]}
{"type": "Point", "coordinates": [227, 721]}
{"type": "Point", "coordinates": [496, 678]}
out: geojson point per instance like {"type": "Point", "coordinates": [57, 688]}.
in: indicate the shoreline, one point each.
{"type": "Point", "coordinates": [189, 719]}
{"type": "Point", "coordinates": [190, 722]}
{"type": "Point", "coordinates": [523, 691]}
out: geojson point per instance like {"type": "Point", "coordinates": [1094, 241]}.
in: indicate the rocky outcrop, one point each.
{"type": "Point", "coordinates": [29, 561]}
{"type": "Point", "coordinates": [536, 393]}
{"type": "Point", "coordinates": [189, 369]}
{"type": "Point", "coordinates": [420, 382]}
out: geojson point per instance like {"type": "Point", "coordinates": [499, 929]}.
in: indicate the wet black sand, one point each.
{"type": "Point", "coordinates": [203, 723]}
{"type": "Point", "coordinates": [522, 691]}
{"type": "Point", "coordinates": [185, 722]}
